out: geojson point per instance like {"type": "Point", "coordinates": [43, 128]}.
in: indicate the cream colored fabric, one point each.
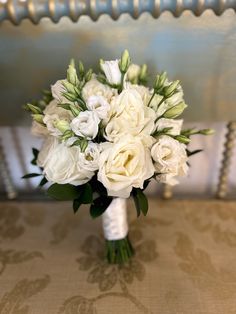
{"type": "Point", "coordinates": [52, 261]}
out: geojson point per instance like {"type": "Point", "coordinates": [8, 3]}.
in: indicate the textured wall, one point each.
{"type": "Point", "coordinates": [198, 50]}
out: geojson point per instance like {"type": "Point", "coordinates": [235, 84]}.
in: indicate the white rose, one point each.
{"type": "Point", "coordinates": [53, 114]}
{"type": "Point", "coordinates": [133, 72]}
{"type": "Point", "coordinates": [38, 129]}
{"type": "Point", "coordinates": [49, 144]}
{"type": "Point", "coordinates": [89, 159]}
{"type": "Point", "coordinates": [95, 88]}
{"type": "Point", "coordinates": [112, 71]}
{"type": "Point", "coordinates": [100, 105]}
{"type": "Point", "coordinates": [143, 91]}
{"type": "Point", "coordinates": [175, 125]}
{"type": "Point", "coordinates": [170, 159]}
{"type": "Point", "coordinates": [130, 116]}
{"type": "Point", "coordinates": [86, 124]}
{"type": "Point", "coordinates": [124, 165]}
{"type": "Point", "coordinates": [61, 164]}
{"type": "Point", "coordinates": [57, 92]}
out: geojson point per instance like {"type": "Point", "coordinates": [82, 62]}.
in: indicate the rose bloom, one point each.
{"type": "Point", "coordinates": [86, 124]}
{"type": "Point", "coordinates": [112, 71]}
{"type": "Point", "coordinates": [170, 159]}
{"type": "Point", "coordinates": [53, 114]}
{"type": "Point", "coordinates": [61, 163]}
{"type": "Point", "coordinates": [124, 165]}
{"type": "Point", "coordinates": [130, 116]}
{"type": "Point", "coordinates": [95, 88]}
{"type": "Point", "coordinates": [143, 91]}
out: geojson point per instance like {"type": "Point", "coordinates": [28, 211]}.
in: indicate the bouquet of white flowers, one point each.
{"type": "Point", "coordinates": [105, 136]}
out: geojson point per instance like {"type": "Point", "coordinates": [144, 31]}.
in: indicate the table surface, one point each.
{"type": "Point", "coordinates": [51, 261]}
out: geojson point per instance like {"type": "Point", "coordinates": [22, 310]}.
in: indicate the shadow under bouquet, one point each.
{"type": "Point", "coordinates": [105, 136]}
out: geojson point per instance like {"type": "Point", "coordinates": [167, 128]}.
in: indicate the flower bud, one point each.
{"type": "Point", "coordinates": [143, 72]}
{"type": "Point", "coordinates": [62, 125]}
{"type": "Point", "coordinates": [101, 61]}
{"type": "Point", "coordinates": [72, 75]}
{"type": "Point", "coordinates": [70, 97]}
{"type": "Point", "coordinates": [81, 68]}
{"type": "Point", "coordinates": [160, 81]}
{"type": "Point", "coordinates": [34, 109]}
{"type": "Point", "coordinates": [67, 134]}
{"type": "Point", "coordinates": [75, 110]}
{"type": "Point", "coordinates": [182, 139]}
{"type": "Point", "coordinates": [175, 111]}
{"type": "Point", "coordinates": [207, 131]}
{"type": "Point", "coordinates": [169, 90]}
{"type": "Point", "coordinates": [38, 118]}
{"type": "Point", "coordinates": [102, 79]}
{"type": "Point", "coordinates": [125, 61]}
{"type": "Point", "coordinates": [70, 88]}
{"type": "Point", "coordinates": [88, 75]}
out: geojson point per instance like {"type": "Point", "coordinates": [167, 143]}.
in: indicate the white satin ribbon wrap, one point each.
{"type": "Point", "coordinates": [114, 220]}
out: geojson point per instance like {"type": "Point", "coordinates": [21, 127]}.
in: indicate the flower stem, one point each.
{"type": "Point", "coordinates": [119, 251]}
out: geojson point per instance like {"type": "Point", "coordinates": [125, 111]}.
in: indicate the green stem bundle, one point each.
{"type": "Point", "coordinates": [119, 251]}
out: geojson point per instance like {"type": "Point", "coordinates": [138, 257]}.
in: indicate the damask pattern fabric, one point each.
{"type": "Point", "coordinates": [52, 261]}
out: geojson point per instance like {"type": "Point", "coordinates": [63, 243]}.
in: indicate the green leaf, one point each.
{"type": "Point", "coordinates": [190, 153]}
{"type": "Point", "coordinates": [76, 205]}
{"type": "Point", "coordinates": [97, 186]}
{"type": "Point", "coordinates": [43, 182]}
{"type": "Point", "coordinates": [35, 154]}
{"type": "Point", "coordinates": [99, 206]}
{"type": "Point", "coordinates": [63, 192]}
{"type": "Point", "coordinates": [87, 194]}
{"type": "Point", "coordinates": [145, 184]}
{"type": "Point", "coordinates": [141, 202]}
{"type": "Point", "coordinates": [86, 197]}
{"type": "Point", "coordinates": [31, 175]}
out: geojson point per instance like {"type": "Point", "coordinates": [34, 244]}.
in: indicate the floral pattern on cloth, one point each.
{"type": "Point", "coordinates": [180, 265]}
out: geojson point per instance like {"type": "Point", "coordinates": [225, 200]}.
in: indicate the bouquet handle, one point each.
{"type": "Point", "coordinates": [115, 228]}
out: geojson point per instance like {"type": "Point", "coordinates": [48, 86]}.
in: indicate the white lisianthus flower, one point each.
{"type": "Point", "coordinates": [89, 159]}
{"type": "Point", "coordinates": [57, 92]}
{"type": "Point", "coordinates": [112, 71]}
{"type": "Point", "coordinates": [53, 114]}
{"type": "Point", "coordinates": [170, 159]}
{"type": "Point", "coordinates": [174, 124]}
{"type": "Point", "coordinates": [100, 105]}
{"type": "Point", "coordinates": [86, 124]}
{"type": "Point", "coordinates": [95, 88]}
{"type": "Point", "coordinates": [143, 91]}
{"type": "Point", "coordinates": [39, 130]}
{"type": "Point", "coordinates": [133, 72]}
{"type": "Point", "coordinates": [61, 163]}
{"type": "Point", "coordinates": [130, 116]}
{"type": "Point", "coordinates": [124, 165]}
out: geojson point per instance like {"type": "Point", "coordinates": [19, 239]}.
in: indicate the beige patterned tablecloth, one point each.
{"type": "Point", "coordinates": [52, 261]}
